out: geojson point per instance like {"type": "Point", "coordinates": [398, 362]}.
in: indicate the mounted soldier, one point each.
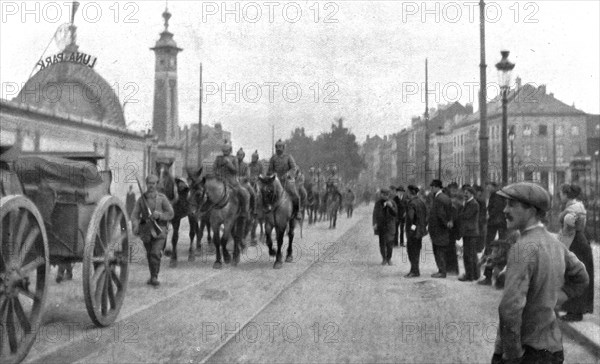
{"type": "Point", "coordinates": [284, 166]}
{"type": "Point", "coordinates": [244, 179]}
{"type": "Point", "coordinates": [226, 168]}
{"type": "Point", "coordinates": [256, 168]}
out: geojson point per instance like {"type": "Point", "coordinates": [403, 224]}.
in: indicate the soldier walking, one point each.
{"type": "Point", "coordinates": [152, 206]}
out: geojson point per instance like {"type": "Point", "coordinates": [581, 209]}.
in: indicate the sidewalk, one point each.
{"type": "Point", "coordinates": [587, 331]}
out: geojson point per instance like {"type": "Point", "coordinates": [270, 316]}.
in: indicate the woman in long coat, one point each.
{"type": "Point", "coordinates": [572, 234]}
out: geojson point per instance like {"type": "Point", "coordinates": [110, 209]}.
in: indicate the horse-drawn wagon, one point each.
{"type": "Point", "coordinates": [57, 209]}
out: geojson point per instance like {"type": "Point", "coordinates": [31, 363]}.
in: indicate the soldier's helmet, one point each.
{"type": "Point", "coordinates": [241, 154]}
{"type": "Point", "coordinates": [279, 146]}
{"type": "Point", "coordinates": [226, 147]}
{"type": "Point", "coordinates": [255, 156]}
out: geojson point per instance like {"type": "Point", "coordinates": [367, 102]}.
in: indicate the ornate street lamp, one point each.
{"type": "Point", "coordinates": [504, 68]}
{"type": "Point", "coordinates": [511, 137]}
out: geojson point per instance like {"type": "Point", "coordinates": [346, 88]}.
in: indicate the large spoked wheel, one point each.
{"type": "Point", "coordinates": [24, 273]}
{"type": "Point", "coordinates": [106, 261]}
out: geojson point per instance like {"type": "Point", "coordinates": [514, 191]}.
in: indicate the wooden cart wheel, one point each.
{"type": "Point", "coordinates": [106, 261]}
{"type": "Point", "coordinates": [24, 273]}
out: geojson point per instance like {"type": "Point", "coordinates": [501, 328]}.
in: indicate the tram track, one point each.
{"type": "Point", "coordinates": [278, 294]}
{"type": "Point", "coordinates": [82, 350]}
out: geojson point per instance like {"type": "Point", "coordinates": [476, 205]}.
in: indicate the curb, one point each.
{"type": "Point", "coordinates": [581, 338]}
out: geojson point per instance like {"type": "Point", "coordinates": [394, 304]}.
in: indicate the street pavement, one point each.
{"type": "Point", "coordinates": [334, 303]}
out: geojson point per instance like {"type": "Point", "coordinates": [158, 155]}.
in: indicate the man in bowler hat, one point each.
{"type": "Point", "coordinates": [440, 223]}
{"type": "Point", "coordinates": [384, 224]}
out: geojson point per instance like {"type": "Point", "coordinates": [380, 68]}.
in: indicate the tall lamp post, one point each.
{"type": "Point", "coordinates": [504, 68]}
{"type": "Point", "coordinates": [596, 202]}
{"type": "Point", "coordinates": [439, 136]}
{"type": "Point", "coordinates": [511, 137]}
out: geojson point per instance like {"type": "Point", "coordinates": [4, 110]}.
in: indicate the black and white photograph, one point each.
{"type": "Point", "coordinates": [309, 181]}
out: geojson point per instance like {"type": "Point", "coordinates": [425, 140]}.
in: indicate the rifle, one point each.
{"type": "Point", "coordinates": [155, 229]}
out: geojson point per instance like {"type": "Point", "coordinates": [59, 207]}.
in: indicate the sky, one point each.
{"type": "Point", "coordinates": [305, 63]}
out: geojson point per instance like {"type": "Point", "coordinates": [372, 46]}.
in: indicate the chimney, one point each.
{"type": "Point", "coordinates": [518, 81]}
{"type": "Point", "coordinates": [469, 108]}
{"type": "Point", "coordinates": [218, 131]}
{"type": "Point", "coordinates": [542, 89]}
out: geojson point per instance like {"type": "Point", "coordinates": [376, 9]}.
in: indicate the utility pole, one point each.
{"type": "Point", "coordinates": [273, 139]}
{"type": "Point", "coordinates": [483, 129]}
{"type": "Point", "coordinates": [200, 123]}
{"type": "Point", "coordinates": [426, 125]}
{"type": "Point", "coordinates": [554, 191]}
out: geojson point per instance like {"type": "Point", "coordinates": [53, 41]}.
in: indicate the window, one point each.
{"type": "Point", "coordinates": [526, 130]}
{"type": "Point", "coordinates": [527, 151]}
{"type": "Point", "coordinates": [543, 153]}
{"type": "Point", "coordinates": [560, 130]}
{"type": "Point", "coordinates": [543, 130]}
{"type": "Point", "coordinates": [575, 130]}
{"type": "Point", "coordinates": [559, 153]}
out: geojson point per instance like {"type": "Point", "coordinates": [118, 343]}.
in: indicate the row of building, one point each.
{"type": "Point", "coordinates": [545, 135]}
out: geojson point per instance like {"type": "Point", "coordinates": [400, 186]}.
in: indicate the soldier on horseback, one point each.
{"type": "Point", "coordinates": [255, 167]}
{"type": "Point", "coordinates": [244, 179]}
{"type": "Point", "coordinates": [226, 168]}
{"type": "Point", "coordinates": [285, 168]}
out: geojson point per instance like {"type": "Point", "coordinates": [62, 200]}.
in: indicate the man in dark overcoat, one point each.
{"type": "Point", "coordinates": [416, 229]}
{"type": "Point", "coordinates": [440, 224]}
{"type": "Point", "coordinates": [496, 224]}
{"type": "Point", "coordinates": [469, 230]}
{"type": "Point", "coordinates": [384, 224]}
{"type": "Point", "coordinates": [400, 220]}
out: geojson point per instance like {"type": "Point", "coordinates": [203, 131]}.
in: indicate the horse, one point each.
{"type": "Point", "coordinates": [312, 202]}
{"type": "Point", "coordinates": [186, 207]}
{"type": "Point", "coordinates": [333, 201]}
{"type": "Point", "coordinates": [277, 209]}
{"type": "Point", "coordinates": [222, 206]}
{"type": "Point", "coordinates": [302, 194]}
{"type": "Point", "coordinates": [258, 219]}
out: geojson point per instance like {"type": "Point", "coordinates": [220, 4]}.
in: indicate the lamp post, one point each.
{"type": "Point", "coordinates": [439, 136]}
{"type": "Point", "coordinates": [511, 137]}
{"type": "Point", "coordinates": [504, 68]}
{"type": "Point", "coordinates": [596, 202]}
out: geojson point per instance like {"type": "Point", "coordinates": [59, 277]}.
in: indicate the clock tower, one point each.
{"type": "Point", "coordinates": [165, 116]}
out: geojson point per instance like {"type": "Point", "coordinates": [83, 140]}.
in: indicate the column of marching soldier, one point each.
{"type": "Point", "coordinates": [541, 273]}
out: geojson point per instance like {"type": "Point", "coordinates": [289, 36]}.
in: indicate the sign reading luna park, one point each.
{"type": "Point", "coordinates": [73, 57]}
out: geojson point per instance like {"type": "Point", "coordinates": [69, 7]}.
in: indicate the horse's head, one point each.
{"type": "Point", "coordinates": [270, 189]}
{"type": "Point", "coordinates": [197, 192]}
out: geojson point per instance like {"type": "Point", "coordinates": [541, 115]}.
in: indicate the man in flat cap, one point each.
{"type": "Point", "coordinates": [541, 273]}
{"type": "Point", "coordinates": [384, 224]}
{"type": "Point", "coordinates": [416, 229]}
{"type": "Point", "coordinates": [440, 223]}
{"type": "Point", "coordinates": [159, 209]}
